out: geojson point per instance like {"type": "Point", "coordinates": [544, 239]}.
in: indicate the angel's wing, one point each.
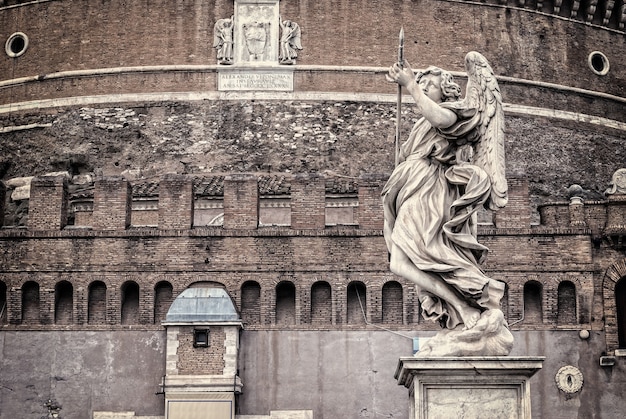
{"type": "Point", "coordinates": [483, 94]}
{"type": "Point", "coordinates": [218, 39]}
{"type": "Point", "coordinates": [295, 40]}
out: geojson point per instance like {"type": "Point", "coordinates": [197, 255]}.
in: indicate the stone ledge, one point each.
{"type": "Point", "coordinates": [466, 366]}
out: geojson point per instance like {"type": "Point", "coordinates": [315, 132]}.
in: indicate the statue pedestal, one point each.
{"type": "Point", "coordinates": [471, 387]}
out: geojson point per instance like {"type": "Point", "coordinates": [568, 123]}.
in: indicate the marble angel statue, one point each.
{"type": "Point", "coordinates": [451, 165]}
{"type": "Point", "coordinates": [290, 41]}
{"type": "Point", "coordinates": [223, 40]}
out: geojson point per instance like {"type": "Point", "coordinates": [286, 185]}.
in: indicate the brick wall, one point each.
{"type": "Point", "coordinates": [370, 203]}
{"type": "Point", "coordinates": [202, 360]}
{"type": "Point", "coordinates": [130, 303]}
{"type": "Point", "coordinates": [321, 304]}
{"type": "Point", "coordinates": [64, 303]}
{"type": "Point", "coordinates": [307, 202]}
{"type": "Point", "coordinates": [356, 303]}
{"type": "Point", "coordinates": [516, 214]}
{"type": "Point", "coordinates": [250, 303]}
{"type": "Point", "coordinates": [566, 304]}
{"type": "Point", "coordinates": [3, 303]}
{"type": "Point", "coordinates": [392, 303]}
{"type": "Point", "coordinates": [48, 203]}
{"type": "Point", "coordinates": [96, 304]}
{"type": "Point", "coordinates": [163, 298]}
{"type": "Point", "coordinates": [285, 304]}
{"type": "Point", "coordinates": [175, 202]}
{"type": "Point", "coordinates": [241, 202]}
{"type": "Point", "coordinates": [281, 277]}
{"type": "Point", "coordinates": [155, 42]}
{"type": "Point", "coordinates": [3, 191]}
{"type": "Point", "coordinates": [112, 199]}
{"type": "Point", "coordinates": [30, 303]}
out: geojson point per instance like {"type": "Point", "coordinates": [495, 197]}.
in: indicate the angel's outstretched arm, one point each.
{"type": "Point", "coordinates": [438, 117]}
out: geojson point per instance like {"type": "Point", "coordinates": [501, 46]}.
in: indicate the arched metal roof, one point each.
{"type": "Point", "coordinates": [202, 304]}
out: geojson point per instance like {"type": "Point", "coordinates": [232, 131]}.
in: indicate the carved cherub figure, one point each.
{"type": "Point", "coordinates": [431, 202]}
{"type": "Point", "coordinates": [223, 40]}
{"type": "Point", "coordinates": [290, 41]}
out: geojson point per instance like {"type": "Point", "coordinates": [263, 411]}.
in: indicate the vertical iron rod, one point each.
{"type": "Point", "coordinates": [399, 104]}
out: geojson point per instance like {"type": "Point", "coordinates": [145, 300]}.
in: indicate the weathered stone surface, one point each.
{"type": "Point", "coordinates": [344, 138]}
{"type": "Point", "coordinates": [20, 193]}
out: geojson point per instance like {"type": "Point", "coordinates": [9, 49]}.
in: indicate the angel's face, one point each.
{"type": "Point", "coordinates": [431, 86]}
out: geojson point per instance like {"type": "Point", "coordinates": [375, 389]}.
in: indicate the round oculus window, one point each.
{"type": "Point", "coordinates": [599, 63]}
{"type": "Point", "coordinates": [16, 45]}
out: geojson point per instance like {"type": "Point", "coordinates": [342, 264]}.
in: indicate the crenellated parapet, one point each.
{"type": "Point", "coordinates": [249, 202]}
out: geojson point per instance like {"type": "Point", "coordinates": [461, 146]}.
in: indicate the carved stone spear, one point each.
{"type": "Point", "coordinates": [399, 105]}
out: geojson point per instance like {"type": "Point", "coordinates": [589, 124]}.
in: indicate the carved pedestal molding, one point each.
{"type": "Point", "coordinates": [452, 387]}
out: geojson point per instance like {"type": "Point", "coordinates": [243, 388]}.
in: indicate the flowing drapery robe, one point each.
{"type": "Point", "coordinates": [430, 204]}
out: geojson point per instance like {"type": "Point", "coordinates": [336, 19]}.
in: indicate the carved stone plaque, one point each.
{"type": "Point", "coordinates": [255, 80]}
{"type": "Point", "coordinates": [256, 32]}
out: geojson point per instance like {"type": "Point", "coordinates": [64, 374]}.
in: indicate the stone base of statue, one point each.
{"type": "Point", "coordinates": [468, 387]}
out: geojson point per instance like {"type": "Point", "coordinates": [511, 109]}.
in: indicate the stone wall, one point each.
{"type": "Point", "coordinates": [332, 373]}
{"type": "Point", "coordinates": [82, 372]}
{"type": "Point", "coordinates": [334, 138]}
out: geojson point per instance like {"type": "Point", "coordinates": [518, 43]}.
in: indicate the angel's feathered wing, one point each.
{"type": "Point", "coordinates": [483, 94]}
{"type": "Point", "coordinates": [218, 41]}
{"type": "Point", "coordinates": [295, 40]}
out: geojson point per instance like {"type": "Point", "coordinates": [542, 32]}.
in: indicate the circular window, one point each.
{"type": "Point", "coordinates": [599, 63]}
{"type": "Point", "coordinates": [16, 45]}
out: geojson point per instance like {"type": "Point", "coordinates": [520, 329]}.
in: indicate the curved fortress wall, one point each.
{"type": "Point", "coordinates": [139, 48]}
{"type": "Point", "coordinates": [119, 94]}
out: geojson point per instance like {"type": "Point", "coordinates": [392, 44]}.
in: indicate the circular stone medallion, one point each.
{"type": "Point", "coordinates": [569, 379]}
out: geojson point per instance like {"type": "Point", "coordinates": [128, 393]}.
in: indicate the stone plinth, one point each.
{"type": "Point", "coordinates": [468, 387]}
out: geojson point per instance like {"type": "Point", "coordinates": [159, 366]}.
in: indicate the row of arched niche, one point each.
{"type": "Point", "coordinates": [283, 304]}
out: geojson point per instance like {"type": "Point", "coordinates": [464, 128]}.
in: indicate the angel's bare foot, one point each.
{"type": "Point", "coordinates": [470, 317]}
